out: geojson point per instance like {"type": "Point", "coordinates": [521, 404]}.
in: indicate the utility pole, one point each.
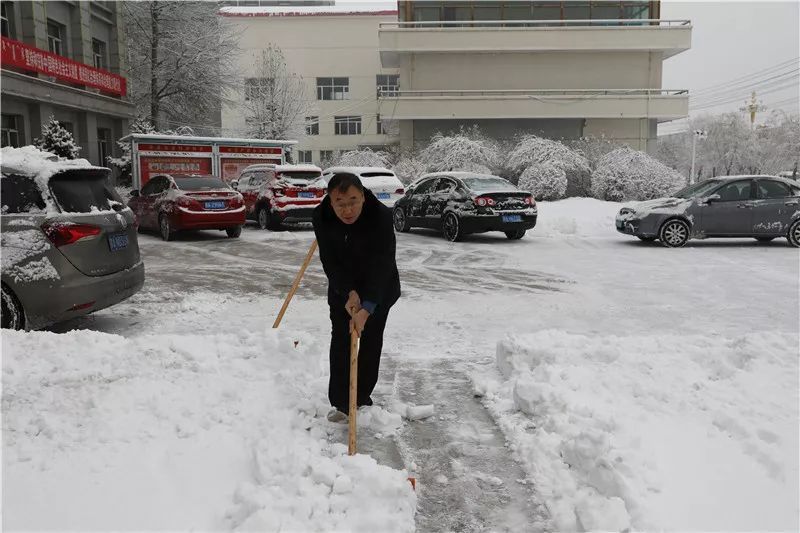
{"type": "Point", "coordinates": [752, 107]}
{"type": "Point", "coordinates": [697, 134]}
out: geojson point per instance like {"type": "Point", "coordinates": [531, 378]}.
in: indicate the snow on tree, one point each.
{"type": "Point", "coordinates": [123, 162]}
{"type": "Point", "coordinates": [592, 148]}
{"type": "Point", "coordinates": [626, 174]}
{"type": "Point", "coordinates": [275, 100]}
{"type": "Point", "coordinates": [363, 158]}
{"type": "Point", "coordinates": [466, 150]}
{"type": "Point", "coordinates": [408, 168]}
{"type": "Point", "coordinates": [533, 150]}
{"type": "Point", "coordinates": [546, 181]}
{"type": "Point", "coordinates": [179, 64]}
{"type": "Point", "coordinates": [57, 140]}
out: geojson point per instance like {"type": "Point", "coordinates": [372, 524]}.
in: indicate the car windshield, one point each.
{"type": "Point", "coordinates": [298, 175]}
{"type": "Point", "coordinates": [200, 183]}
{"type": "Point", "coordinates": [488, 184]}
{"type": "Point", "coordinates": [83, 191]}
{"type": "Point", "coordinates": [698, 189]}
{"type": "Point", "coordinates": [375, 174]}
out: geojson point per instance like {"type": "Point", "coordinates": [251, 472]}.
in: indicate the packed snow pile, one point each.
{"type": "Point", "coordinates": [576, 217]}
{"type": "Point", "coordinates": [626, 174]}
{"type": "Point", "coordinates": [184, 432]}
{"type": "Point", "coordinates": [660, 432]}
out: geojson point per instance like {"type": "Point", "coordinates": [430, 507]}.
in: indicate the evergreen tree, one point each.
{"type": "Point", "coordinates": [57, 140]}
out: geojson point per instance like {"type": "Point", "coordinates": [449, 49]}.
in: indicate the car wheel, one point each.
{"type": "Point", "coordinates": [164, 227]}
{"type": "Point", "coordinates": [516, 234]}
{"type": "Point", "coordinates": [674, 233]}
{"type": "Point", "coordinates": [646, 239]}
{"type": "Point", "coordinates": [400, 220]}
{"type": "Point", "coordinates": [234, 232]}
{"type": "Point", "coordinates": [451, 228]}
{"type": "Point", "coordinates": [794, 234]}
{"type": "Point", "coordinates": [765, 239]}
{"type": "Point", "coordinates": [266, 220]}
{"type": "Point", "coordinates": [11, 314]}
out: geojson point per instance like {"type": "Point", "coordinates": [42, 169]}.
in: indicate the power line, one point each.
{"type": "Point", "coordinates": [777, 66]}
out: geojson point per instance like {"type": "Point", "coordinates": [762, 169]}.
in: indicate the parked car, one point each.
{"type": "Point", "coordinates": [763, 207]}
{"type": "Point", "coordinates": [458, 203]}
{"type": "Point", "coordinates": [69, 245]}
{"type": "Point", "coordinates": [174, 202]}
{"type": "Point", "coordinates": [386, 186]}
{"type": "Point", "coordinates": [279, 194]}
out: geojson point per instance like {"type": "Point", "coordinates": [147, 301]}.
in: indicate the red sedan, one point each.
{"type": "Point", "coordinates": [170, 203]}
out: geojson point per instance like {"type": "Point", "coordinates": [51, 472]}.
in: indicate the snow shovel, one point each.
{"type": "Point", "coordinates": [351, 438]}
{"type": "Point", "coordinates": [296, 284]}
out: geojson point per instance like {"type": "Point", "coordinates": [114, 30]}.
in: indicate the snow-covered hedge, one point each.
{"type": "Point", "coordinates": [532, 150]}
{"type": "Point", "coordinates": [409, 168]}
{"type": "Point", "coordinates": [363, 158]}
{"type": "Point", "coordinates": [547, 181]}
{"type": "Point", "coordinates": [466, 150]}
{"type": "Point", "coordinates": [626, 174]}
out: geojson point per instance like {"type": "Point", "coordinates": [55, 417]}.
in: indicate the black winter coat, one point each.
{"type": "Point", "coordinates": [358, 256]}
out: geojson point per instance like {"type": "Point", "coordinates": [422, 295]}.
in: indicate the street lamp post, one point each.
{"type": "Point", "coordinates": [697, 134]}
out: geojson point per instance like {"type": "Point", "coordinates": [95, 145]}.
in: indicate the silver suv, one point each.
{"type": "Point", "coordinates": [69, 243]}
{"type": "Point", "coordinates": [761, 207]}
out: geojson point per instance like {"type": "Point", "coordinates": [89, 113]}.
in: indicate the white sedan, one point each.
{"type": "Point", "coordinates": [381, 181]}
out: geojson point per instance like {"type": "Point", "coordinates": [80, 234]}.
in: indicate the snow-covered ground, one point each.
{"type": "Point", "coordinates": [619, 384]}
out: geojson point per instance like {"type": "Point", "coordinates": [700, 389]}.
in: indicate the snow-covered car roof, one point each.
{"type": "Point", "coordinates": [461, 174]}
{"type": "Point", "coordinates": [30, 161]}
{"type": "Point", "coordinates": [359, 170]}
{"type": "Point", "coordinates": [297, 168]}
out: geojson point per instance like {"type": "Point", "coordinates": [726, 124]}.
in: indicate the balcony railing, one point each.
{"type": "Point", "coordinates": [462, 24]}
{"type": "Point", "coordinates": [581, 94]}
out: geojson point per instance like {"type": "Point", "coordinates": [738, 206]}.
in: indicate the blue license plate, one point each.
{"type": "Point", "coordinates": [512, 218]}
{"type": "Point", "coordinates": [384, 196]}
{"type": "Point", "coordinates": [215, 205]}
{"type": "Point", "coordinates": [118, 241]}
{"type": "Point", "coordinates": [306, 194]}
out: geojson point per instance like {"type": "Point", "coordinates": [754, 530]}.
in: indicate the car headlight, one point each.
{"type": "Point", "coordinates": [627, 211]}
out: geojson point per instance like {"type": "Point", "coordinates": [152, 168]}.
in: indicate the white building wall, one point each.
{"type": "Point", "coordinates": [319, 46]}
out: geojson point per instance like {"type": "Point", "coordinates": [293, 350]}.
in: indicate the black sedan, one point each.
{"type": "Point", "coordinates": [458, 203]}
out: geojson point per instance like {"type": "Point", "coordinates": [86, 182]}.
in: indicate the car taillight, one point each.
{"type": "Point", "coordinates": [63, 233]}
{"type": "Point", "coordinates": [235, 201]}
{"type": "Point", "coordinates": [400, 191]}
{"type": "Point", "coordinates": [185, 201]}
{"type": "Point", "coordinates": [484, 201]}
{"type": "Point", "coordinates": [529, 200]}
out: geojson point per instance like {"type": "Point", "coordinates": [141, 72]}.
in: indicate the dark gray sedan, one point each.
{"type": "Point", "coordinates": [761, 207]}
{"type": "Point", "coordinates": [69, 244]}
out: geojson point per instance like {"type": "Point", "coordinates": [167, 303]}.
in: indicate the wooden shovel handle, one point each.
{"type": "Point", "coordinates": [296, 284]}
{"type": "Point", "coordinates": [351, 440]}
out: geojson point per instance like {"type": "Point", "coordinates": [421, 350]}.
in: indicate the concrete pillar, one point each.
{"type": "Point", "coordinates": [406, 134]}
{"type": "Point", "coordinates": [34, 24]}
{"type": "Point", "coordinates": [117, 46]}
{"type": "Point", "coordinates": [81, 31]}
{"type": "Point", "coordinates": [87, 131]}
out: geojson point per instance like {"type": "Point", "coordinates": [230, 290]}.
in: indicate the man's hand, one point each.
{"type": "Point", "coordinates": [353, 304]}
{"type": "Point", "coordinates": [359, 321]}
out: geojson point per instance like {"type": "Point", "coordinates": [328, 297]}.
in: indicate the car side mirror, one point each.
{"type": "Point", "coordinates": [713, 198]}
{"type": "Point", "coordinates": [134, 193]}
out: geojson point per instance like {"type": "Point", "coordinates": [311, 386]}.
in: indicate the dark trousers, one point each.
{"type": "Point", "coordinates": [369, 358]}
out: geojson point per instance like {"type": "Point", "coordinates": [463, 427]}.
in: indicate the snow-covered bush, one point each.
{"type": "Point", "coordinates": [626, 174]}
{"type": "Point", "coordinates": [363, 158]}
{"type": "Point", "coordinates": [532, 150]}
{"type": "Point", "coordinates": [546, 181]}
{"type": "Point", "coordinates": [57, 140]}
{"type": "Point", "coordinates": [466, 150]}
{"type": "Point", "coordinates": [408, 168]}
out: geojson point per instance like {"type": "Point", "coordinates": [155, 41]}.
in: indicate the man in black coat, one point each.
{"type": "Point", "coordinates": [357, 248]}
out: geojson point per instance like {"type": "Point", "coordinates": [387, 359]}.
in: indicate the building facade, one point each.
{"type": "Point", "coordinates": [334, 49]}
{"type": "Point", "coordinates": [65, 59]}
{"type": "Point", "coordinates": [560, 69]}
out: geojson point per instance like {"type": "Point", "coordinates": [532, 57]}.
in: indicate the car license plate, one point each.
{"type": "Point", "coordinates": [118, 241]}
{"type": "Point", "coordinates": [512, 218]}
{"type": "Point", "coordinates": [306, 194]}
{"type": "Point", "coordinates": [214, 205]}
{"type": "Point", "coordinates": [384, 196]}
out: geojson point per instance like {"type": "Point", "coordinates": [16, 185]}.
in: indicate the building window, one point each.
{"type": "Point", "coordinates": [350, 125]}
{"type": "Point", "coordinates": [55, 37]}
{"type": "Point", "coordinates": [312, 125]}
{"type": "Point", "coordinates": [5, 15]}
{"type": "Point", "coordinates": [387, 84]}
{"type": "Point", "coordinates": [326, 156]}
{"type": "Point", "coordinates": [518, 10]}
{"type": "Point", "coordinates": [333, 88]}
{"type": "Point", "coordinates": [103, 145]}
{"type": "Point", "coordinates": [304, 156]}
{"type": "Point", "coordinates": [11, 130]}
{"type": "Point", "coordinates": [99, 53]}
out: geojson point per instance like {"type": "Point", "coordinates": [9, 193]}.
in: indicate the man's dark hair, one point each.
{"type": "Point", "coordinates": [341, 181]}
